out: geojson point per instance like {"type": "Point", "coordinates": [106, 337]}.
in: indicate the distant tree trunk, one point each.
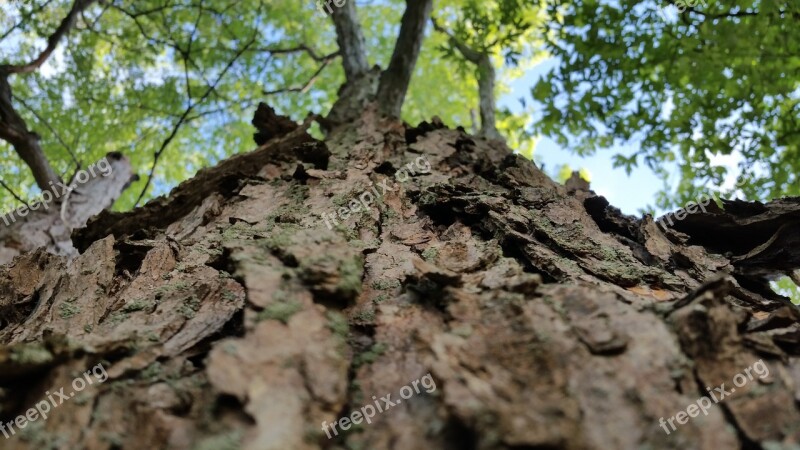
{"type": "Point", "coordinates": [229, 315]}
{"type": "Point", "coordinates": [486, 82]}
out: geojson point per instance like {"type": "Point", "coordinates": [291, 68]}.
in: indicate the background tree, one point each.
{"type": "Point", "coordinates": [479, 32]}
{"type": "Point", "coordinates": [688, 82]}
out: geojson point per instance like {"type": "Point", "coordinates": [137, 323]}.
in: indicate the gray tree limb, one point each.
{"type": "Point", "coordinates": [48, 222]}
{"type": "Point", "coordinates": [486, 82]}
{"type": "Point", "coordinates": [351, 40]}
{"type": "Point", "coordinates": [397, 77]}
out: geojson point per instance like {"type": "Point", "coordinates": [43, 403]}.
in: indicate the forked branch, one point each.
{"type": "Point", "coordinates": [486, 81]}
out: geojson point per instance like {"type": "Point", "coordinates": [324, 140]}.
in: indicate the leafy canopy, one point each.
{"type": "Point", "coordinates": [181, 78]}
{"type": "Point", "coordinates": [719, 78]}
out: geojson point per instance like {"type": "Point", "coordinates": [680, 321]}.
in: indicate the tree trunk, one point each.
{"type": "Point", "coordinates": [244, 311]}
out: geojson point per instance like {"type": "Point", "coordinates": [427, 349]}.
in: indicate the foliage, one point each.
{"type": "Point", "coordinates": [565, 172]}
{"type": "Point", "coordinates": [785, 286]}
{"type": "Point", "coordinates": [717, 79]}
{"type": "Point", "coordinates": [508, 31]}
{"type": "Point", "coordinates": [181, 79]}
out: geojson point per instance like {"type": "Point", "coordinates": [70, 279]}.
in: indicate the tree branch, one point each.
{"type": "Point", "coordinates": [13, 194]}
{"type": "Point", "coordinates": [24, 18]}
{"type": "Point", "coordinates": [13, 128]}
{"type": "Point", "coordinates": [300, 48]}
{"type": "Point", "coordinates": [396, 78]}
{"type": "Point", "coordinates": [351, 40]}
{"type": "Point", "coordinates": [52, 130]}
{"type": "Point", "coordinates": [186, 55]}
{"type": "Point", "coordinates": [469, 54]}
{"type": "Point", "coordinates": [325, 61]}
{"type": "Point", "coordinates": [486, 81]}
{"type": "Point", "coordinates": [183, 118]}
{"type": "Point", "coordinates": [52, 41]}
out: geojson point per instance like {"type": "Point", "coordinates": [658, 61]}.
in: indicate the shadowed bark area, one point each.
{"type": "Point", "coordinates": [229, 315]}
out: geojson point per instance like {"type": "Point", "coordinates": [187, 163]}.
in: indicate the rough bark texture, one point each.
{"type": "Point", "coordinates": [352, 97]}
{"type": "Point", "coordinates": [229, 316]}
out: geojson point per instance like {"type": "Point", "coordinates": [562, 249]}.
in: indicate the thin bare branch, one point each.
{"type": "Point", "coordinates": [299, 48]}
{"type": "Point", "coordinates": [24, 19]}
{"type": "Point", "coordinates": [14, 194]}
{"type": "Point", "coordinates": [181, 120]}
{"type": "Point", "coordinates": [307, 85]}
{"type": "Point", "coordinates": [52, 130]}
{"type": "Point", "coordinates": [187, 54]}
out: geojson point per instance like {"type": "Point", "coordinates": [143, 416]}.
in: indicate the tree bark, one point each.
{"type": "Point", "coordinates": [486, 81]}
{"type": "Point", "coordinates": [363, 86]}
{"type": "Point", "coordinates": [229, 315]}
{"type": "Point", "coordinates": [361, 82]}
